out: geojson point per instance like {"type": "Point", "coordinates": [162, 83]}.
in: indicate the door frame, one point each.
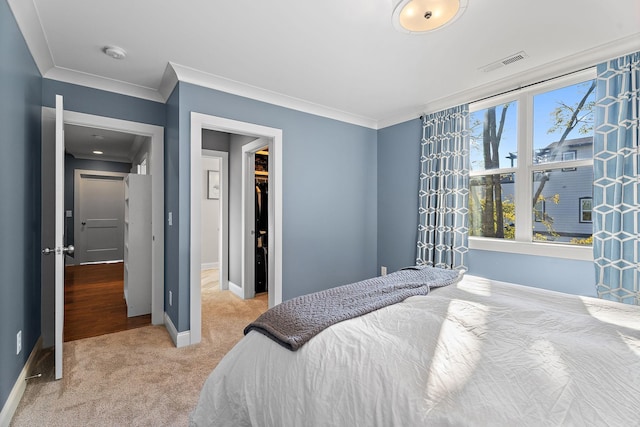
{"type": "Point", "coordinates": [223, 235]}
{"type": "Point", "coordinates": [249, 216]}
{"type": "Point", "coordinates": [273, 137]}
{"type": "Point", "coordinates": [156, 170]}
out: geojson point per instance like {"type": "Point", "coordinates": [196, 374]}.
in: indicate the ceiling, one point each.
{"type": "Point", "coordinates": [81, 142]}
{"type": "Point", "coordinates": [340, 59]}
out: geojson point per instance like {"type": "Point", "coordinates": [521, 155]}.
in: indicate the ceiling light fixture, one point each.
{"type": "Point", "coordinates": [421, 16]}
{"type": "Point", "coordinates": [97, 152]}
{"type": "Point", "coordinates": [115, 52]}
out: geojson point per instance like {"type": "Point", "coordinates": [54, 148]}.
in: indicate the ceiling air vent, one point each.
{"type": "Point", "coordinates": [506, 61]}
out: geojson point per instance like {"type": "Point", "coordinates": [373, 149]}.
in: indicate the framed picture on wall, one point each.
{"type": "Point", "coordinates": [213, 185]}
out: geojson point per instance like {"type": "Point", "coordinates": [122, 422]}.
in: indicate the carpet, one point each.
{"type": "Point", "coordinates": [136, 377]}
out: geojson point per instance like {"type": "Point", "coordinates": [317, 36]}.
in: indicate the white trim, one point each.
{"type": "Point", "coordinates": [102, 83]}
{"type": "Point", "coordinates": [28, 20]}
{"type": "Point", "coordinates": [199, 122]}
{"type": "Point", "coordinates": [10, 406]}
{"type": "Point", "coordinates": [209, 265]}
{"type": "Point", "coordinates": [211, 81]}
{"type": "Point", "coordinates": [237, 290]}
{"type": "Point", "coordinates": [156, 158]}
{"type": "Point", "coordinates": [180, 339]}
{"type": "Point", "coordinates": [168, 82]}
{"type": "Point", "coordinates": [588, 58]}
{"type": "Point", "coordinates": [553, 250]}
{"type": "Point", "coordinates": [248, 216]}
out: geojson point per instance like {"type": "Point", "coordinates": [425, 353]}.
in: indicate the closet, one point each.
{"type": "Point", "coordinates": [262, 220]}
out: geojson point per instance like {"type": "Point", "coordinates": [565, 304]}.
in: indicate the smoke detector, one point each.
{"type": "Point", "coordinates": [114, 52]}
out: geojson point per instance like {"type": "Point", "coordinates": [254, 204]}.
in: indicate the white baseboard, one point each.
{"type": "Point", "coordinates": [209, 265]}
{"type": "Point", "coordinates": [237, 290]}
{"type": "Point", "coordinates": [180, 339]}
{"type": "Point", "coordinates": [10, 406]}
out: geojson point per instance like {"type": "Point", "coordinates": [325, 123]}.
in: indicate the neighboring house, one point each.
{"type": "Point", "coordinates": [567, 195]}
{"type": "Point", "coordinates": [564, 212]}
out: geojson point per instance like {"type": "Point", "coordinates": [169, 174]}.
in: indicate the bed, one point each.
{"type": "Point", "coordinates": [474, 352]}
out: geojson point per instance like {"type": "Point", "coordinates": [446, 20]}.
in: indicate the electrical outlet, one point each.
{"type": "Point", "coordinates": [383, 271]}
{"type": "Point", "coordinates": [170, 298]}
{"type": "Point", "coordinates": [19, 342]}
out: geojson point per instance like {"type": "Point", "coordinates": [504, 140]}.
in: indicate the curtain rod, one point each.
{"type": "Point", "coordinates": [524, 87]}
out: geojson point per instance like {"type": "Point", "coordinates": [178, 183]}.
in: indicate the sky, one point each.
{"type": "Point", "coordinates": [543, 104]}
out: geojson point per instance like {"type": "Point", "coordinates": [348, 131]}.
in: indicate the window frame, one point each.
{"type": "Point", "coordinates": [582, 210]}
{"type": "Point", "coordinates": [523, 171]}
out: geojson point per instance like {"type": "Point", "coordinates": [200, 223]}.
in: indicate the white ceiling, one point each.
{"type": "Point", "coordinates": [81, 141]}
{"type": "Point", "coordinates": [337, 58]}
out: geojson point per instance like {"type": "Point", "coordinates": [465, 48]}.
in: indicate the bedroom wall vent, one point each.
{"type": "Point", "coordinates": [505, 61]}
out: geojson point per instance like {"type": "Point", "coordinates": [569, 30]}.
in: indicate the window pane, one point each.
{"type": "Point", "coordinates": [562, 212]}
{"type": "Point", "coordinates": [492, 207]}
{"type": "Point", "coordinates": [494, 137]}
{"type": "Point", "coordinates": [563, 123]}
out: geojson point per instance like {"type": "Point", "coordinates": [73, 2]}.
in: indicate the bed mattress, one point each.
{"type": "Point", "coordinates": [479, 352]}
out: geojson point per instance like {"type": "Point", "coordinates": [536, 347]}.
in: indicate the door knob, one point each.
{"type": "Point", "coordinates": [84, 223]}
{"type": "Point", "coordinates": [68, 250]}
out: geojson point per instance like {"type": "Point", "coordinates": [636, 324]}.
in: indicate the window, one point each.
{"type": "Point", "coordinates": [585, 209]}
{"type": "Point", "coordinates": [531, 163]}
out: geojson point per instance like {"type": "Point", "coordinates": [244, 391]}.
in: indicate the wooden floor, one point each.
{"type": "Point", "coordinates": [94, 302]}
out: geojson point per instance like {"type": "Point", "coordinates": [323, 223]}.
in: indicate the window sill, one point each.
{"type": "Point", "coordinates": [555, 250]}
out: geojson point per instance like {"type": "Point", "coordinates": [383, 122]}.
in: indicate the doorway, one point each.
{"type": "Point", "coordinates": [155, 164]}
{"type": "Point", "coordinates": [273, 139]}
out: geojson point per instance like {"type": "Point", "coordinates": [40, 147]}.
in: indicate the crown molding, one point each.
{"type": "Point", "coordinates": [102, 83]}
{"type": "Point", "coordinates": [569, 64]}
{"type": "Point", "coordinates": [28, 19]}
{"type": "Point", "coordinates": [200, 78]}
{"type": "Point", "coordinates": [169, 81]}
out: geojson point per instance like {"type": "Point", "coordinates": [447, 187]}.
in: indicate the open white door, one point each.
{"type": "Point", "coordinates": [58, 251]}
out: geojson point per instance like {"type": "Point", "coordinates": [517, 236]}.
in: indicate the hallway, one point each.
{"type": "Point", "coordinates": [94, 302]}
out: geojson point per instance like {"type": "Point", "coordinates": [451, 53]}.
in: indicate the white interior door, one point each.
{"type": "Point", "coordinates": [59, 226]}
{"type": "Point", "coordinates": [58, 251]}
{"type": "Point", "coordinates": [99, 219]}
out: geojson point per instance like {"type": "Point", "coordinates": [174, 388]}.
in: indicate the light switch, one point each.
{"type": "Point", "coordinates": [170, 219]}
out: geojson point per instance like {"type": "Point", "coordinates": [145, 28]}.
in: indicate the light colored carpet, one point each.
{"type": "Point", "coordinates": [136, 377]}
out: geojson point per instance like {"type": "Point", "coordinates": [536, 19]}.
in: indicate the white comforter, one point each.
{"type": "Point", "coordinates": [479, 353]}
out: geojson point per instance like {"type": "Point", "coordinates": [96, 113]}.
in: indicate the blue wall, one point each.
{"type": "Point", "coordinates": [557, 274]}
{"type": "Point", "coordinates": [329, 193]}
{"type": "Point", "coordinates": [398, 173]}
{"type": "Point", "coordinates": [20, 121]}
{"type": "Point", "coordinates": [98, 102]}
{"type": "Point", "coordinates": [173, 261]}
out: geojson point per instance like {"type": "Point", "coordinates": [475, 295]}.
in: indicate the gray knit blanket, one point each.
{"type": "Point", "coordinates": [294, 322]}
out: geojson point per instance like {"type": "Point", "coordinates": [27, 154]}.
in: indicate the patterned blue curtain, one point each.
{"type": "Point", "coordinates": [443, 230]}
{"type": "Point", "coordinates": [616, 210]}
